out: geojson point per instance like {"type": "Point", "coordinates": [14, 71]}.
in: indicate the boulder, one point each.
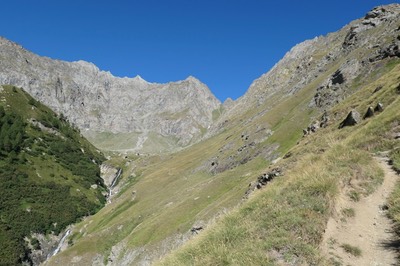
{"type": "Point", "coordinates": [369, 113]}
{"type": "Point", "coordinates": [378, 107]}
{"type": "Point", "coordinates": [312, 128]}
{"type": "Point", "coordinates": [267, 177]}
{"type": "Point", "coordinates": [287, 155]}
{"type": "Point", "coordinates": [352, 119]}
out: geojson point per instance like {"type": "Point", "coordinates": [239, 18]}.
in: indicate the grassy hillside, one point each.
{"type": "Point", "coordinates": [162, 197]}
{"type": "Point", "coordinates": [284, 223]}
{"type": "Point", "coordinates": [47, 173]}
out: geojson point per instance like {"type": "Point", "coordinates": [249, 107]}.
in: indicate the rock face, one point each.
{"type": "Point", "coordinates": [168, 116]}
{"type": "Point", "coordinates": [96, 101]}
{"type": "Point", "coordinates": [108, 173]}
{"type": "Point", "coordinates": [326, 66]}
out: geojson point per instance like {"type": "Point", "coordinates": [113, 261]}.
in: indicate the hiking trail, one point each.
{"type": "Point", "coordinates": [370, 230]}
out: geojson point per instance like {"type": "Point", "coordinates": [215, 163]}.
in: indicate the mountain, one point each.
{"type": "Point", "coordinates": [325, 67]}
{"type": "Point", "coordinates": [272, 170]}
{"type": "Point", "coordinates": [323, 177]}
{"type": "Point", "coordinates": [317, 205]}
{"type": "Point", "coordinates": [49, 178]}
{"type": "Point", "coordinates": [149, 117]}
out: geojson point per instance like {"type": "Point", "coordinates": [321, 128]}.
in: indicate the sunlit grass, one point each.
{"type": "Point", "coordinates": [285, 222]}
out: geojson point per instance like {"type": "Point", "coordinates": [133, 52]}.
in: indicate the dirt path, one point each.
{"type": "Point", "coordinates": [368, 230]}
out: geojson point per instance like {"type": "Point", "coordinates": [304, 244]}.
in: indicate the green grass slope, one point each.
{"type": "Point", "coordinates": [164, 196]}
{"type": "Point", "coordinates": [46, 174]}
{"type": "Point", "coordinates": [283, 224]}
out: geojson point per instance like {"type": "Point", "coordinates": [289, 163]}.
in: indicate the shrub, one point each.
{"type": "Point", "coordinates": [355, 251]}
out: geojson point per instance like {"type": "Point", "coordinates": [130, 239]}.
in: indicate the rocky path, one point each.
{"type": "Point", "coordinates": [365, 231]}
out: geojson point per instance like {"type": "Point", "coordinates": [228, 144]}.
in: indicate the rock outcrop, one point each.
{"type": "Point", "coordinates": [175, 114]}
{"type": "Point", "coordinates": [262, 181]}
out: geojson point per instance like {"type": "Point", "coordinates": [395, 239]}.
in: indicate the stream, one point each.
{"type": "Point", "coordinates": [66, 234]}
{"type": "Point", "coordinates": [119, 172]}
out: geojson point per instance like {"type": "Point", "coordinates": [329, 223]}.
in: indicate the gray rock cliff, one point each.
{"type": "Point", "coordinates": [152, 117]}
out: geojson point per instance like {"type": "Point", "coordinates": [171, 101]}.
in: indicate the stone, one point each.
{"type": "Point", "coordinates": [312, 128]}
{"type": "Point", "coordinates": [377, 89]}
{"type": "Point", "coordinates": [324, 120]}
{"type": "Point", "coordinates": [369, 113]}
{"type": "Point", "coordinates": [267, 177]}
{"type": "Point", "coordinates": [378, 107]}
{"type": "Point", "coordinates": [287, 155]}
{"type": "Point", "coordinates": [352, 119]}
{"type": "Point", "coordinates": [197, 227]}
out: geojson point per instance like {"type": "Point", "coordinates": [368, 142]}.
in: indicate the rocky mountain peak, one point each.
{"type": "Point", "coordinates": [140, 79]}
{"type": "Point", "coordinates": [160, 117]}
{"type": "Point", "coordinates": [381, 13]}
{"type": "Point", "coordinates": [326, 65]}
{"type": "Point", "coordinates": [193, 79]}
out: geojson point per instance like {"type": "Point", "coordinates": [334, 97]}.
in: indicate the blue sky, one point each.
{"type": "Point", "coordinates": [226, 44]}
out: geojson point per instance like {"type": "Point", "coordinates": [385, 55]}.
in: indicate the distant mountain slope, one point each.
{"type": "Point", "coordinates": [149, 117]}
{"type": "Point", "coordinates": [324, 177]}
{"type": "Point", "coordinates": [324, 67]}
{"type": "Point", "coordinates": [49, 176]}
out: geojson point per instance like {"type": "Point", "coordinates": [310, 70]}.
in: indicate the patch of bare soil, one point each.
{"type": "Point", "coordinates": [360, 233]}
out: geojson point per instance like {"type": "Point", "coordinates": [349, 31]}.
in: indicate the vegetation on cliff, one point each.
{"type": "Point", "coordinates": [46, 174]}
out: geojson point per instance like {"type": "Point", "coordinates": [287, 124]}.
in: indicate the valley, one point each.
{"type": "Point", "coordinates": [169, 175]}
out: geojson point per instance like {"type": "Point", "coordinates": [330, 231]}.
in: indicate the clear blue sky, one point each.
{"type": "Point", "coordinates": [225, 43]}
